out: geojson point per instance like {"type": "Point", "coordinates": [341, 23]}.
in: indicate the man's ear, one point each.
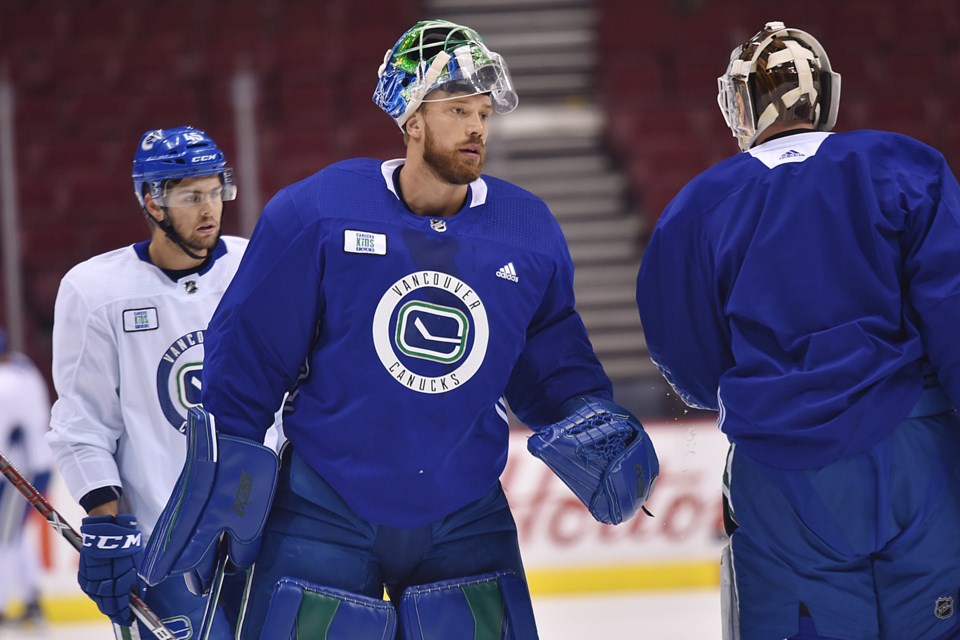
{"type": "Point", "coordinates": [153, 209]}
{"type": "Point", "coordinates": [414, 125]}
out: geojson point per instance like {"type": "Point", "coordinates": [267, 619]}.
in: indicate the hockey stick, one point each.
{"type": "Point", "coordinates": [35, 498]}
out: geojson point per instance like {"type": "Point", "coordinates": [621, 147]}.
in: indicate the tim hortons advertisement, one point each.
{"type": "Point", "coordinates": [679, 546]}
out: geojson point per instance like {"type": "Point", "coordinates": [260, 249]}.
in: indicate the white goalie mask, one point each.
{"type": "Point", "coordinates": [779, 75]}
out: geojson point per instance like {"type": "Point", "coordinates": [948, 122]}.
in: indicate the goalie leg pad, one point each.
{"type": "Point", "coordinates": [301, 609]}
{"type": "Point", "coordinates": [602, 453]}
{"type": "Point", "coordinates": [493, 606]}
{"type": "Point", "coordinates": [226, 486]}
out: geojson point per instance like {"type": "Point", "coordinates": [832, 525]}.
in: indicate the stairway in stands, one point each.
{"type": "Point", "coordinates": [553, 145]}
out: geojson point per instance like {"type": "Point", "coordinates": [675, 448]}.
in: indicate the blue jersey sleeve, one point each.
{"type": "Point", "coordinates": [260, 335]}
{"type": "Point", "coordinates": [558, 361]}
{"type": "Point", "coordinates": [682, 323]}
{"type": "Point", "coordinates": [928, 191]}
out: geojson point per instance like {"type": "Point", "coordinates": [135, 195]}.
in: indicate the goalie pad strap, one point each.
{"type": "Point", "coordinates": [226, 486]}
{"type": "Point", "coordinates": [301, 609]}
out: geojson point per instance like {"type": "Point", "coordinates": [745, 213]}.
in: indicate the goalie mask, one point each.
{"type": "Point", "coordinates": [779, 75]}
{"type": "Point", "coordinates": [436, 54]}
{"type": "Point", "coordinates": [175, 154]}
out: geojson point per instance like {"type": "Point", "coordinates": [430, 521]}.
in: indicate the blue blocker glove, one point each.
{"type": "Point", "coordinates": [111, 554]}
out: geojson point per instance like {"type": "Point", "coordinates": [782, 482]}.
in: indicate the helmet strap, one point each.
{"type": "Point", "coordinates": [433, 72]}
{"type": "Point", "coordinates": [172, 234]}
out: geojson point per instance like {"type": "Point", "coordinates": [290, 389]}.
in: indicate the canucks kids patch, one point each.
{"type": "Point", "coordinates": [374, 244]}
{"type": "Point", "coordinates": [140, 319]}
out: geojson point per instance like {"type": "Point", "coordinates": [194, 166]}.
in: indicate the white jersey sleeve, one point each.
{"type": "Point", "coordinates": [87, 420]}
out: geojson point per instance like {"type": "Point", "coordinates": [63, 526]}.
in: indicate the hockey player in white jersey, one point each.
{"type": "Point", "coordinates": [24, 419]}
{"type": "Point", "coordinates": [808, 289]}
{"type": "Point", "coordinates": [127, 360]}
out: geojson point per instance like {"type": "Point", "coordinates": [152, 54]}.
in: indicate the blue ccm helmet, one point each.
{"type": "Point", "coordinates": [181, 152]}
{"type": "Point", "coordinates": [436, 54]}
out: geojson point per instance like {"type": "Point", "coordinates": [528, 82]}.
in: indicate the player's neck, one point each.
{"type": "Point", "coordinates": [426, 194]}
{"type": "Point", "coordinates": [165, 254]}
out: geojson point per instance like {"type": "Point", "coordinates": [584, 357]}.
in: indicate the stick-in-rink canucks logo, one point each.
{"type": "Point", "coordinates": [179, 378]}
{"type": "Point", "coordinates": [430, 331]}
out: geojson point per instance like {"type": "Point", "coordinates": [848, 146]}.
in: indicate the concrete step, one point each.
{"type": "Point", "coordinates": [587, 207]}
{"type": "Point", "coordinates": [548, 187]}
{"type": "Point", "coordinates": [521, 169]}
{"type": "Point", "coordinates": [526, 62]}
{"type": "Point", "coordinates": [553, 84]}
{"type": "Point", "coordinates": [591, 297]}
{"type": "Point", "coordinates": [601, 276]}
{"type": "Point", "coordinates": [601, 320]}
{"type": "Point", "coordinates": [518, 147]}
{"type": "Point", "coordinates": [562, 39]}
{"type": "Point", "coordinates": [619, 341]}
{"type": "Point", "coordinates": [613, 251]}
{"type": "Point", "coordinates": [558, 123]}
{"type": "Point", "coordinates": [604, 229]}
{"type": "Point", "coordinates": [493, 25]}
{"type": "Point", "coordinates": [630, 367]}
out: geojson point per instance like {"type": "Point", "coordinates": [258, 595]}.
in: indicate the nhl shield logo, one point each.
{"type": "Point", "coordinates": [943, 608]}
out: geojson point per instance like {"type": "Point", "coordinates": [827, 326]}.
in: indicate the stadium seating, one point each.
{"type": "Point", "coordinates": [660, 60]}
{"type": "Point", "coordinates": [90, 77]}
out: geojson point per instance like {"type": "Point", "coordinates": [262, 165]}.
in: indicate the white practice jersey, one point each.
{"type": "Point", "coordinates": [127, 363]}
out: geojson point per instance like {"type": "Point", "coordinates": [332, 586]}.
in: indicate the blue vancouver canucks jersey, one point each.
{"type": "Point", "coordinates": [801, 287]}
{"type": "Point", "coordinates": [398, 337]}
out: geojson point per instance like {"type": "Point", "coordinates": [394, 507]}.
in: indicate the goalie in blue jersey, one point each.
{"type": "Point", "coordinates": [808, 289]}
{"type": "Point", "coordinates": [401, 305]}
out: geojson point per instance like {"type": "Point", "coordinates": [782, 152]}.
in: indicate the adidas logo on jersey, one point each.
{"type": "Point", "coordinates": [507, 272]}
{"type": "Point", "coordinates": [792, 154]}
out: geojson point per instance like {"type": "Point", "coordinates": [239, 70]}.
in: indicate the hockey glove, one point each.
{"type": "Point", "coordinates": [109, 559]}
{"type": "Point", "coordinates": [603, 454]}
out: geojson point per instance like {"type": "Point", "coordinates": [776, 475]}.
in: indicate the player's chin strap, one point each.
{"type": "Point", "coordinates": [175, 237]}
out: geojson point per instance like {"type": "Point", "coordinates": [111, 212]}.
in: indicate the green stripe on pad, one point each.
{"type": "Point", "coordinates": [486, 605]}
{"type": "Point", "coordinates": [316, 615]}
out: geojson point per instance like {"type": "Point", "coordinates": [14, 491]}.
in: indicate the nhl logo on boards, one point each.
{"type": "Point", "coordinates": [438, 225]}
{"type": "Point", "coordinates": [943, 608]}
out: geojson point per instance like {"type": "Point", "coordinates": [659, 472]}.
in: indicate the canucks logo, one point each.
{"type": "Point", "coordinates": [179, 378]}
{"type": "Point", "coordinates": [430, 331]}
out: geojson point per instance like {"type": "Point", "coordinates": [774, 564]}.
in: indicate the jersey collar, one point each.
{"type": "Point", "coordinates": [142, 250]}
{"type": "Point", "coordinates": [478, 188]}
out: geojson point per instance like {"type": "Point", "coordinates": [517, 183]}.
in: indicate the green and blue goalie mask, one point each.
{"type": "Point", "coordinates": [439, 55]}
{"type": "Point", "coordinates": [779, 75]}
